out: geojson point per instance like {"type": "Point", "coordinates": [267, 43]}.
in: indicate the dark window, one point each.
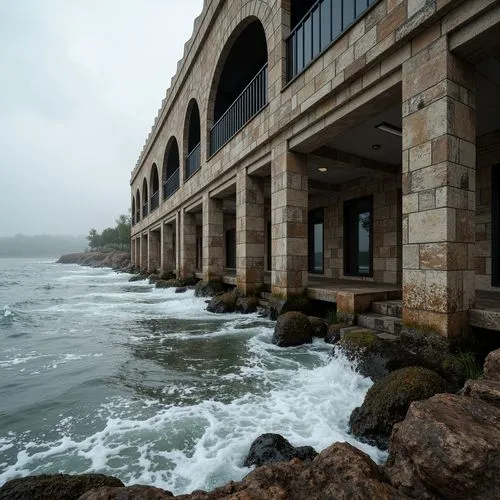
{"type": "Point", "coordinates": [495, 226]}
{"type": "Point", "coordinates": [199, 253]}
{"type": "Point", "coordinates": [231, 248]}
{"type": "Point", "coordinates": [358, 237]}
{"type": "Point", "coordinates": [315, 240]}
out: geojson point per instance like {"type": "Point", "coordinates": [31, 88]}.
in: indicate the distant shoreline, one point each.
{"type": "Point", "coordinates": [117, 260]}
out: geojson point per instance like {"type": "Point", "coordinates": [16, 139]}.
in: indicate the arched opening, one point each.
{"type": "Point", "coordinates": [137, 206]}
{"type": "Point", "coordinates": [145, 199]}
{"type": "Point", "coordinates": [240, 83]}
{"type": "Point", "coordinates": [171, 168]}
{"type": "Point", "coordinates": [154, 182]}
{"type": "Point", "coordinates": [133, 210]}
{"type": "Point", "coordinates": [192, 135]}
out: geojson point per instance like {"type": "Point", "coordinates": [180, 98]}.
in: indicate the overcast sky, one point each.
{"type": "Point", "coordinates": [80, 84]}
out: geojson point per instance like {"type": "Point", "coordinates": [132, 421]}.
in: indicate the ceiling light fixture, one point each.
{"type": "Point", "coordinates": [376, 147]}
{"type": "Point", "coordinates": [322, 169]}
{"type": "Point", "coordinates": [391, 129]}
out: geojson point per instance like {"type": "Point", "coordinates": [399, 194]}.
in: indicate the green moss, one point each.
{"type": "Point", "coordinates": [359, 340]}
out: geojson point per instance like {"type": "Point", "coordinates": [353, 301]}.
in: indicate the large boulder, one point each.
{"type": "Point", "coordinates": [270, 448]}
{"type": "Point", "coordinates": [224, 303]}
{"type": "Point", "coordinates": [492, 366]}
{"type": "Point", "coordinates": [447, 447]}
{"type": "Point", "coordinates": [319, 326]}
{"type": "Point", "coordinates": [299, 303]}
{"type": "Point", "coordinates": [387, 402]}
{"type": "Point", "coordinates": [247, 305]}
{"type": "Point", "coordinates": [484, 389]}
{"type": "Point", "coordinates": [208, 288]}
{"type": "Point", "coordinates": [134, 492]}
{"type": "Point", "coordinates": [171, 283]}
{"type": "Point", "coordinates": [54, 486]}
{"type": "Point", "coordinates": [291, 329]}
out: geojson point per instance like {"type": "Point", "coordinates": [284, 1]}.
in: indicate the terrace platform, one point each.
{"type": "Point", "coordinates": [486, 314]}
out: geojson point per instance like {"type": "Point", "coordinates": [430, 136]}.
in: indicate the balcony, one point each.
{"type": "Point", "coordinates": [137, 216]}
{"type": "Point", "coordinates": [325, 21]}
{"type": "Point", "coordinates": [251, 100]}
{"type": "Point", "coordinates": [145, 209]}
{"type": "Point", "coordinates": [155, 200]}
{"type": "Point", "coordinates": [193, 161]}
{"type": "Point", "coordinates": [171, 185]}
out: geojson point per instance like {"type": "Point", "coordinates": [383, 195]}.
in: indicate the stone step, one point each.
{"type": "Point", "coordinates": [348, 329]}
{"type": "Point", "coordinates": [380, 323]}
{"type": "Point", "coordinates": [388, 308]}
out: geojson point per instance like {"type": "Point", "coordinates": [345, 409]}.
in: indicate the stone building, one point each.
{"type": "Point", "coordinates": [349, 148]}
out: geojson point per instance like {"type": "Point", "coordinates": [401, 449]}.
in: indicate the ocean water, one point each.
{"type": "Point", "coordinates": [101, 375]}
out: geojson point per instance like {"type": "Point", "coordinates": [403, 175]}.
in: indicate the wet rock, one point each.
{"type": "Point", "coordinates": [492, 366]}
{"type": "Point", "coordinates": [134, 492]}
{"type": "Point", "coordinates": [54, 486]}
{"type": "Point", "coordinates": [189, 281]}
{"type": "Point", "coordinates": [447, 447]}
{"type": "Point", "coordinates": [291, 329]}
{"type": "Point", "coordinates": [270, 448]}
{"type": "Point", "coordinates": [387, 402]}
{"type": "Point", "coordinates": [247, 305]}
{"type": "Point", "coordinates": [333, 332]}
{"type": "Point", "coordinates": [172, 283]}
{"type": "Point", "coordinates": [208, 288]}
{"type": "Point", "coordinates": [137, 277]}
{"type": "Point", "coordinates": [279, 306]}
{"type": "Point", "coordinates": [181, 289]}
{"type": "Point", "coordinates": [319, 326]}
{"type": "Point", "coordinates": [224, 303]}
{"type": "Point", "coordinates": [153, 278]}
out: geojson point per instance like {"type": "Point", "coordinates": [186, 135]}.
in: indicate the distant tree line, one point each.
{"type": "Point", "coordinates": [111, 238]}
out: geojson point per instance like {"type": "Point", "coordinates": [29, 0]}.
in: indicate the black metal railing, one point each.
{"type": "Point", "coordinates": [325, 21]}
{"type": "Point", "coordinates": [193, 161]}
{"type": "Point", "coordinates": [246, 106]}
{"type": "Point", "coordinates": [155, 200]}
{"type": "Point", "coordinates": [137, 216]}
{"type": "Point", "coordinates": [171, 184]}
{"type": "Point", "coordinates": [145, 209]}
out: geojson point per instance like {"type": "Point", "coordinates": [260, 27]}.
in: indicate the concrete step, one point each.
{"type": "Point", "coordinates": [380, 323]}
{"type": "Point", "coordinates": [388, 308]}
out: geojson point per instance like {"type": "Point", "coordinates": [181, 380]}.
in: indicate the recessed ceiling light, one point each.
{"type": "Point", "coordinates": [322, 169]}
{"type": "Point", "coordinates": [391, 129]}
{"type": "Point", "coordinates": [376, 147]}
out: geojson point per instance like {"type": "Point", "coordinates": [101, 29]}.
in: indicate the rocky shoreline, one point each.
{"type": "Point", "coordinates": [119, 261]}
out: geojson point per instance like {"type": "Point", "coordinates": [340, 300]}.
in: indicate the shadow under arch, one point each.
{"type": "Point", "coordinates": [192, 139]}
{"type": "Point", "coordinates": [154, 184]}
{"type": "Point", "coordinates": [170, 171]}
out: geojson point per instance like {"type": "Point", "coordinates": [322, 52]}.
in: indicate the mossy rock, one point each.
{"type": "Point", "coordinates": [298, 303]}
{"type": "Point", "coordinates": [319, 326]}
{"type": "Point", "coordinates": [189, 281]}
{"type": "Point", "coordinates": [223, 303]}
{"type": "Point", "coordinates": [359, 341]}
{"type": "Point", "coordinates": [153, 278]}
{"type": "Point", "coordinates": [168, 275]}
{"type": "Point", "coordinates": [388, 400]}
{"type": "Point", "coordinates": [208, 288]}
{"type": "Point", "coordinates": [247, 305]}
{"type": "Point", "coordinates": [333, 333]}
{"type": "Point", "coordinates": [172, 283]}
{"type": "Point", "coordinates": [292, 329]}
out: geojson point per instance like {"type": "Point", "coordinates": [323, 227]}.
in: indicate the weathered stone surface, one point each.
{"type": "Point", "coordinates": [492, 366]}
{"type": "Point", "coordinates": [224, 303]}
{"type": "Point", "coordinates": [208, 288]}
{"type": "Point", "coordinates": [486, 390]}
{"type": "Point", "coordinates": [447, 447]}
{"type": "Point", "coordinates": [172, 283]}
{"type": "Point", "coordinates": [333, 332]}
{"type": "Point", "coordinates": [137, 277]}
{"type": "Point", "coordinates": [181, 289]}
{"type": "Point", "coordinates": [291, 329]}
{"type": "Point", "coordinates": [270, 448]}
{"type": "Point", "coordinates": [387, 402]}
{"type": "Point", "coordinates": [135, 492]}
{"type": "Point", "coordinates": [247, 305]}
{"type": "Point", "coordinates": [319, 326]}
{"type": "Point", "coordinates": [54, 486]}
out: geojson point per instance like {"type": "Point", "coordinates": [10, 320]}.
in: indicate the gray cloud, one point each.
{"type": "Point", "coordinates": [80, 85]}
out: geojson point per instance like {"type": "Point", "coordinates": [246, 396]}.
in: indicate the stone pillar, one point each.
{"type": "Point", "coordinates": [176, 243]}
{"type": "Point", "coordinates": [439, 159]}
{"type": "Point", "coordinates": [250, 232]}
{"type": "Point", "coordinates": [137, 262]}
{"type": "Point", "coordinates": [213, 239]}
{"type": "Point", "coordinates": [167, 248]}
{"type": "Point", "coordinates": [289, 204]}
{"type": "Point", "coordinates": [153, 250]}
{"type": "Point", "coordinates": [144, 252]}
{"type": "Point", "coordinates": [188, 244]}
{"type": "Point", "coordinates": [132, 251]}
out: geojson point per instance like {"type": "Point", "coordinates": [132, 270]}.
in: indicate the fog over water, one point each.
{"type": "Point", "coordinates": [81, 84]}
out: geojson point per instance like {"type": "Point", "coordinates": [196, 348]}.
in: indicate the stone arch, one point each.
{"type": "Point", "coordinates": [192, 138]}
{"type": "Point", "coordinates": [171, 163]}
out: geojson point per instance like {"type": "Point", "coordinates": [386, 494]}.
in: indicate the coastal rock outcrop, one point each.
{"type": "Point", "coordinates": [319, 326]}
{"type": "Point", "coordinates": [135, 492]}
{"type": "Point", "coordinates": [270, 448]}
{"type": "Point", "coordinates": [387, 402]}
{"type": "Point", "coordinates": [247, 305]}
{"type": "Point", "coordinates": [171, 283]}
{"type": "Point", "coordinates": [292, 329]}
{"type": "Point", "coordinates": [208, 288]}
{"type": "Point", "coordinates": [54, 486]}
{"type": "Point", "coordinates": [223, 303]}
{"type": "Point", "coordinates": [116, 260]}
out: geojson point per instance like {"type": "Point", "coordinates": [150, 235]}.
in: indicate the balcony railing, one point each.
{"type": "Point", "coordinates": [155, 200]}
{"type": "Point", "coordinates": [193, 161]}
{"type": "Point", "coordinates": [246, 106]}
{"type": "Point", "coordinates": [171, 185]}
{"type": "Point", "coordinates": [145, 209]}
{"type": "Point", "coordinates": [137, 216]}
{"type": "Point", "coordinates": [325, 21]}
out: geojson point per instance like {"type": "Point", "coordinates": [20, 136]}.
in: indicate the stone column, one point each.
{"type": "Point", "coordinates": [289, 204]}
{"type": "Point", "coordinates": [167, 248]}
{"type": "Point", "coordinates": [188, 244]}
{"type": "Point", "coordinates": [213, 239]}
{"type": "Point", "coordinates": [439, 159]}
{"type": "Point", "coordinates": [250, 232]}
{"type": "Point", "coordinates": [153, 250]}
{"type": "Point", "coordinates": [132, 251]}
{"type": "Point", "coordinates": [137, 262]}
{"type": "Point", "coordinates": [144, 252]}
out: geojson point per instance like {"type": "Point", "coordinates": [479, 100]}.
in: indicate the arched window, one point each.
{"type": "Point", "coordinates": [239, 89]}
{"type": "Point", "coordinates": [133, 211]}
{"type": "Point", "coordinates": [145, 199]}
{"type": "Point", "coordinates": [192, 134]}
{"type": "Point", "coordinates": [154, 183]}
{"type": "Point", "coordinates": [137, 206]}
{"type": "Point", "coordinates": [170, 168]}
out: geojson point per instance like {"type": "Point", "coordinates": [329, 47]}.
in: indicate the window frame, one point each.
{"type": "Point", "coordinates": [310, 239]}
